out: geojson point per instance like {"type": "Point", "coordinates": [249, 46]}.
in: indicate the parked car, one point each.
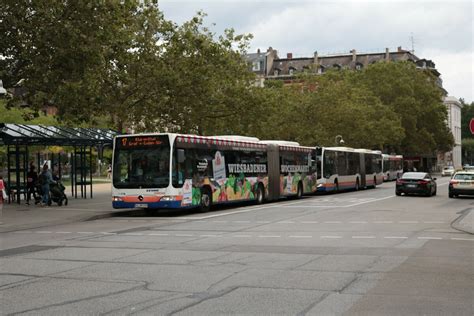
{"type": "Point", "coordinates": [448, 171]}
{"type": "Point", "coordinates": [416, 183]}
{"type": "Point", "coordinates": [462, 183]}
{"type": "Point", "coordinates": [468, 168]}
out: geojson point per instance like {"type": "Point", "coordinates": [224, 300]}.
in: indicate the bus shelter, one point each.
{"type": "Point", "coordinates": [19, 138]}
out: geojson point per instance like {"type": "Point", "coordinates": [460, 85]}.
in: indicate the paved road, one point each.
{"type": "Point", "coordinates": [357, 253]}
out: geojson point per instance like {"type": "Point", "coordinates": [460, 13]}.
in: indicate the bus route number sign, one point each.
{"type": "Point", "coordinates": [471, 126]}
{"type": "Point", "coordinates": [141, 141]}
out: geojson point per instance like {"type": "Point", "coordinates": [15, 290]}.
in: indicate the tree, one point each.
{"type": "Point", "coordinates": [417, 100]}
{"type": "Point", "coordinates": [340, 106]}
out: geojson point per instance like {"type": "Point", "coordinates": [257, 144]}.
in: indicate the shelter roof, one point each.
{"type": "Point", "coordinates": [21, 134]}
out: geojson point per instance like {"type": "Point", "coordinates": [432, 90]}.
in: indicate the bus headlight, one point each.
{"type": "Point", "coordinates": [117, 199]}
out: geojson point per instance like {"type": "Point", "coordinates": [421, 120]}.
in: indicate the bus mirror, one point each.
{"type": "Point", "coordinates": [181, 156]}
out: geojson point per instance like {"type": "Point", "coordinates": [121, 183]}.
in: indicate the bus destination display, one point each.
{"type": "Point", "coordinates": [140, 141]}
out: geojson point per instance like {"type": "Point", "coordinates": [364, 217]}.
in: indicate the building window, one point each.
{"type": "Point", "coordinates": [256, 66]}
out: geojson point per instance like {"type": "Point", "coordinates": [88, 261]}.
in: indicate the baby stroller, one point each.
{"type": "Point", "coordinates": [56, 193]}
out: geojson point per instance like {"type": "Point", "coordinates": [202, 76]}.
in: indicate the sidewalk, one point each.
{"type": "Point", "coordinates": [21, 217]}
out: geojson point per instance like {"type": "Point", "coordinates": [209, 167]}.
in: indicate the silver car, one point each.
{"type": "Point", "coordinates": [462, 183]}
{"type": "Point", "coordinates": [448, 171]}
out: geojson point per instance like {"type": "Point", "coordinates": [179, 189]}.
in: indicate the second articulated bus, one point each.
{"type": "Point", "coordinates": [392, 167]}
{"type": "Point", "coordinates": [343, 168]}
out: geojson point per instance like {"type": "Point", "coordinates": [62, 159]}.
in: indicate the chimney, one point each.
{"type": "Point", "coordinates": [289, 55]}
{"type": "Point", "coordinates": [315, 57]}
{"type": "Point", "coordinates": [258, 51]}
{"type": "Point", "coordinates": [387, 54]}
{"type": "Point", "coordinates": [399, 49]}
{"type": "Point", "coordinates": [354, 55]}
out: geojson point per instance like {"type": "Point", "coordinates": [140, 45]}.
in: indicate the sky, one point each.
{"type": "Point", "coordinates": [441, 30]}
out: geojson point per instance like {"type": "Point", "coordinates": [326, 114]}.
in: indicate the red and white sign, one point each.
{"type": "Point", "coordinates": [471, 126]}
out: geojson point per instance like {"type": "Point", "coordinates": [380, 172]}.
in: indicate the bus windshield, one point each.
{"type": "Point", "coordinates": [142, 164]}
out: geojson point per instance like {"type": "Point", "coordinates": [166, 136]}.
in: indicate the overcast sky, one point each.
{"type": "Point", "coordinates": [442, 30]}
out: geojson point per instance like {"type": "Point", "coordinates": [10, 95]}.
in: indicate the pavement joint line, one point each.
{"type": "Point", "coordinates": [429, 238]}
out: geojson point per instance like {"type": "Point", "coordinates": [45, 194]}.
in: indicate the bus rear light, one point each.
{"type": "Point", "coordinates": [117, 199]}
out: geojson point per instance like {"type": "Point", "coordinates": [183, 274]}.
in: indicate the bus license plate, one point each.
{"type": "Point", "coordinates": [141, 205]}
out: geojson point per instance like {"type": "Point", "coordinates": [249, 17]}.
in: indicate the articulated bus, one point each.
{"type": "Point", "coordinates": [392, 167]}
{"type": "Point", "coordinates": [343, 168]}
{"type": "Point", "coordinates": [183, 171]}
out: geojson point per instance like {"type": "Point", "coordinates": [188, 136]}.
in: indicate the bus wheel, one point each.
{"type": "Point", "coordinates": [260, 195]}
{"type": "Point", "coordinates": [357, 185]}
{"type": "Point", "coordinates": [375, 182]}
{"type": "Point", "coordinates": [205, 200]}
{"type": "Point", "coordinates": [336, 185]}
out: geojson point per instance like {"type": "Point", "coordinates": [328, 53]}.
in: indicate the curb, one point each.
{"type": "Point", "coordinates": [458, 222]}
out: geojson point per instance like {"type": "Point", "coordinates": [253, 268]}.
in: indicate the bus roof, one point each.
{"type": "Point", "coordinates": [280, 142]}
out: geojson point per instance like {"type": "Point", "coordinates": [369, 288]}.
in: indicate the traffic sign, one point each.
{"type": "Point", "coordinates": [471, 126]}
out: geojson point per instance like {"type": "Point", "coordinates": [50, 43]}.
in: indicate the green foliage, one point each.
{"type": "Point", "coordinates": [24, 116]}
{"type": "Point", "coordinates": [416, 99]}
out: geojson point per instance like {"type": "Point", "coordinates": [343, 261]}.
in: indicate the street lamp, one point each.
{"type": "Point", "coordinates": [339, 140]}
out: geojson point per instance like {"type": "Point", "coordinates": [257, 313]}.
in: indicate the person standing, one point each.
{"type": "Point", "coordinates": [32, 180]}
{"type": "Point", "coordinates": [45, 179]}
{"type": "Point", "coordinates": [3, 195]}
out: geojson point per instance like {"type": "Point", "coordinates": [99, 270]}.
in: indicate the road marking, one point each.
{"type": "Point", "coordinates": [262, 222]}
{"type": "Point", "coordinates": [285, 222]}
{"type": "Point", "coordinates": [429, 238]}
{"type": "Point", "coordinates": [200, 221]}
{"type": "Point", "coordinates": [85, 232]}
{"type": "Point", "coordinates": [219, 221]}
{"type": "Point", "coordinates": [310, 222]}
{"type": "Point", "coordinates": [363, 237]}
{"type": "Point", "coordinates": [358, 222]}
{"type": "Point", "coordinates": [330, 237]}
{"type": "Point", "coordinates": [396, 237]}
{"type": "Point", "coordinates": [300, 236]}
{"type": "Point", "coordinates": [333, 222]}
{"type": "Point", "coordinates": [433, 222]}
{"type": "Point", "coordinates": [108, 233]}
{"type": "Point", "coordinates": [184, 235]}
{"type": "Point", "coordinates": [467, 239]}
{"type": "Point", "coordinates": [43, 232]}
{"type": "Point", "coordinates": [133, 234]}
{"type": "Point", "coordinates": [408, 222]}
{"type": "Point", "coordinates": [269, 236]}
{"type": "Point", "coordinates": [24, 232]}
{"type": "Point", "coordinates": [241, 221]}
{"type": "Point", "coordinates": [242, 236]}
{"type": "Point", "coordinates": [382, 222]}
{"type": "Point", "coordinates": [62, 232]}
{"type": "Point", "coordinates": [209, 236]}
